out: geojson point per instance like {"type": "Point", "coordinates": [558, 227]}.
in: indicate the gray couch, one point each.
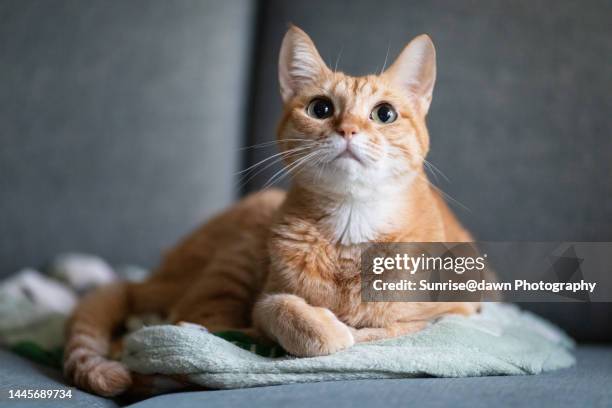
{"type": "Point", "coordinates": [121, 124]}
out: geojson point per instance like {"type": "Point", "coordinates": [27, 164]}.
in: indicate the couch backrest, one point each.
{"type": "Point", "coordinates": [520, 119]}
{"type": "Point", "coordinates": [120, 123]}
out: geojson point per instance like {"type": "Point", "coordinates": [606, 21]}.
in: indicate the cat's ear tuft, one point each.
{"type": "Point", "coordinates": [415, 70]}
{"type": "Point", "coordinates": [299, 63]}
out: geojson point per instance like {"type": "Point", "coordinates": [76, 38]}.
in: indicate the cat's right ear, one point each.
{"type": "Point", "coordinates": [415, 70]}
{"type": "Point", "coordinates": [299, 63]}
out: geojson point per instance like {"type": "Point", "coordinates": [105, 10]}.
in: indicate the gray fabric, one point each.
{"type": "Point", "coordinates": [17, 373]}
{"type": "Point", "coordinates": [119, 123]}
{"type": "Point", "coordinates": [520, 119]}
{"type": "Point", "coordinates": [585, 385]}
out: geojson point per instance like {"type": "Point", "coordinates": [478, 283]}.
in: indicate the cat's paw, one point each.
{"type": "Point", "coordinates": [301, 329]}
{"type": "Point", "coordinates": [324, 335]}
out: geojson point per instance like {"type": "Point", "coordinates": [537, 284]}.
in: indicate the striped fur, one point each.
{"type": "Point", "coordinates": [286, 266]}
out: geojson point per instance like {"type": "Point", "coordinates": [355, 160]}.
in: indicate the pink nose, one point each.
{"type": "Point", "coordinates": [347, 130]}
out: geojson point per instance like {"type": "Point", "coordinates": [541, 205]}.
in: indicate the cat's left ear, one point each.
{"type": "Point", "coordinates": [299, 63]}
{"type": "Point", "coordinates": [415, 70]}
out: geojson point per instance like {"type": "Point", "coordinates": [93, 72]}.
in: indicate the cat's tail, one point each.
{"type": "Point", "coordinates": [90, 330]}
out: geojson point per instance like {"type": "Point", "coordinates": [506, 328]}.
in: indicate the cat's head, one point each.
{"type": "Point", "coordinates": [341, 132]}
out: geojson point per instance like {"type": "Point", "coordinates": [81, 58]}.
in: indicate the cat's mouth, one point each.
{"type": "Point", "coordinates": [348, 154]}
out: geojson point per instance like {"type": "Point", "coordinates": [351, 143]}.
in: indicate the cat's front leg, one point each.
{"type": "Point", "coordinates": [301, 329]}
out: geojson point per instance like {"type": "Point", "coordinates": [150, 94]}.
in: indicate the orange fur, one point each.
{"type": "Point", "coordinates": [287, 266]}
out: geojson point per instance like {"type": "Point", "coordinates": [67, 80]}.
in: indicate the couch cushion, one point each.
{"type": "Point", "coordinates": [17, 373]}
{"type": "Point", "coordinates": [120, 123]}
{"type": "Point", "coordinates": [585, 385]}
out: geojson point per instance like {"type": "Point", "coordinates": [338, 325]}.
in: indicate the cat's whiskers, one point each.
{"type": "Point", "coordinates": [321, 165]}
{"type": "Point", "coordinates": [445, 195]}
{"type": "Point", "coordinates": [433, 169]}
{"type": "Point", "coordinates": [302, 162]}
{"type": "Point", "coordinates": [299, 148]}
{"type": "Point", "coordinates": [247, 178]}
{"type": "Point", "coordinates": [286, 170]}
{"type": "Point", "coordinates": [436, 169]}
{"type": "Point", "coordinates": [371, 149]}
{"type": "Point", "coordinates": [305, 164]}
{"type": "Point", "coordinates": [273, 143]}
{"type": "Point", "coordinates": [279, 157]}
{"type": "Point", "coordinates": [427, 163]}
{"type": "Point", "coordinates": [368, 152]}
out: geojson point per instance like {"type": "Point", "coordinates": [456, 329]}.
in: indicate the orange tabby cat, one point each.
{"type": "Point", "coordinates": [287, 266]}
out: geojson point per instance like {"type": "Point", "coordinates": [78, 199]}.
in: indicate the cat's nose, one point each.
{"type": "Point", "coordinates": [347, 130]}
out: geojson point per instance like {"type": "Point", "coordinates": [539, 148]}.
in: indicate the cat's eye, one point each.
{"type": "Point", "coordinates": [383, 113]}
{"type": "Point", "coordinates": [320, 108]}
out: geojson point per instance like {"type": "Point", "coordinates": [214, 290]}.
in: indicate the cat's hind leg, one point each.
{"type": "Point", "coordinates": [301, 329]}
{"type": "Point", "coordinates": [220, 299]}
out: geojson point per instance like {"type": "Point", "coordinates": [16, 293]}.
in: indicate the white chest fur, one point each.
{"type": "Point", "coordinates": [356, 220]}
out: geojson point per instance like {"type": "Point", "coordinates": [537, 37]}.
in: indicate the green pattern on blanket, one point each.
{"type": "Point", "coordinates": [248, 343]}
{"type": "Point", "coordinates": [53, 357]}
{"type": "Point", "coordinates": [36, 353]}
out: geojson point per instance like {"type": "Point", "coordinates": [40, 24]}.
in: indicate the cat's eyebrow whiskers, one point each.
{"type": "Point", "coordinates": [338, 59]}
{"type": "Point", "coordinates": [386, 58]}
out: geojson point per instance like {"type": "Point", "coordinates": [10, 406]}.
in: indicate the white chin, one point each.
{"type": "Point", "coordinates": [347, 163]}
{"type": "Point", "coordinates": [344, 170]}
